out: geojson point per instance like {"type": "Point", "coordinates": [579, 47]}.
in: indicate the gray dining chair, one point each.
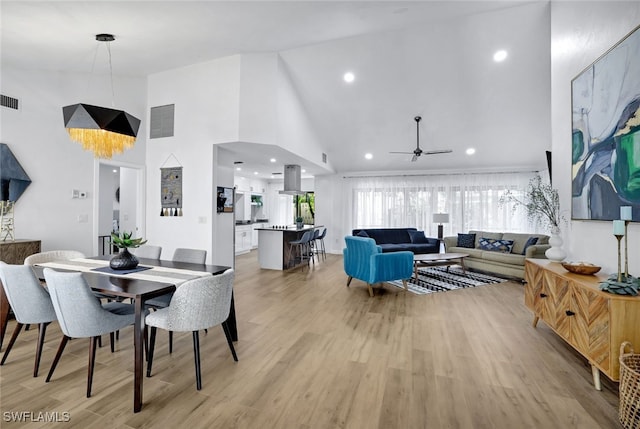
{"type": "Point", "coordinates": [194, 256]}
{"type": "Point", "coordinates": [30, 302]}
{"type": "Point", "coordinates": [81, 315]}
{"type": "Point", "coordinates": [196, 304]}
{"type": "Point", "coordinates": [181, 254]}
{"type": "Point", "coordinates": [147, 251]}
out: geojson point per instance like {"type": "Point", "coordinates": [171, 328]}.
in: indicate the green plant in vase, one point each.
{"type": "Point", "coordinates": [299, 222]}
{"type": "Point", "coordinates": [125, 260]}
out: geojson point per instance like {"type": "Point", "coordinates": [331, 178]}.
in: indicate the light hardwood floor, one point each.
{"type": "Point", "coordinates": [316, 354]}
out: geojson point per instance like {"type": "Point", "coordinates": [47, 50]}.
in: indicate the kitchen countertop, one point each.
{"type": "Point", "coordinates": [288, 228]}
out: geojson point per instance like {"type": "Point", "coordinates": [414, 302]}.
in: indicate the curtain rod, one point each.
{"type": "Point", "coordinates": [439, 174]}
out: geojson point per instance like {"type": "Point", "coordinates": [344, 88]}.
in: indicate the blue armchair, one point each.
{"type": "Point", "coordinates": [364, 260]}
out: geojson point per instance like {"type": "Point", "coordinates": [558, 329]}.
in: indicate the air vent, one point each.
{"type": "Point", "coordinates": [238, 162]}
{"type": "Point", "coordinates": [324, 158]}
{"type": "Point", "coordinates": [277, 173]}
{"type": "Point", "coordinates": [161, 121]}
{"type": "Point", "coordinates": [10, 102]}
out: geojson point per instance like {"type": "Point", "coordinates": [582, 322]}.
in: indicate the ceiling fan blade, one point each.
{"type": "Point", "coordinates": [414, 158]}
{"type": "Point", "coordinates": [407, 153]}
{"type": "Point", "coordinates": [434, 152]}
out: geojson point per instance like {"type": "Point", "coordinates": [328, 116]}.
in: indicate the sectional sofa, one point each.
{"type": "Point", "coordinates": [497, 252]}
{"type": "Point", "coordinates": [398, 239]}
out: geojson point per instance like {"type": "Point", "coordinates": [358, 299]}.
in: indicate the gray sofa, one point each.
{"type": "Point", "coordinates": [505, 264]}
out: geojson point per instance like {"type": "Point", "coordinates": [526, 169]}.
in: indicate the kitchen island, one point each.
{"type": "Point", "coordinates": [273, 245]}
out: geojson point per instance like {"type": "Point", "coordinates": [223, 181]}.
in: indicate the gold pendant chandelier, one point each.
{"type": "Point", "coordinates": [102, 130]}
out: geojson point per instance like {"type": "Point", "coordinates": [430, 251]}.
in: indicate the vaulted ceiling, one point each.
{"type": "Point", "coordinates": [420, 58]}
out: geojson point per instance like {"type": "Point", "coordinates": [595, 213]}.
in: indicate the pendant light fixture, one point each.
{"type": "Point", "coordinates": [102, 130]}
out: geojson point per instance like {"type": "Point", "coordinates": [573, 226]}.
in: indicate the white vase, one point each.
{"type": "Point", "coordinates": [555, 252]}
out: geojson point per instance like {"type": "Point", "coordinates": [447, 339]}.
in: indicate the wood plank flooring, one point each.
{"type": "Point", "coordinates": [316, 354]}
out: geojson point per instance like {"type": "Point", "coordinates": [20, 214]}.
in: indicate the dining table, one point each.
{"type": "Point", "coordinates": [138, 290]}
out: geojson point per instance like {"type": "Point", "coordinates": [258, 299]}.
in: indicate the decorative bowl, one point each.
{"type": "Point", "coordinates": [581, 267]}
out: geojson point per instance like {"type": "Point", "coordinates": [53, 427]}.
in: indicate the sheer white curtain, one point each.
{"type": "Point", "coordinates": [471, 200]}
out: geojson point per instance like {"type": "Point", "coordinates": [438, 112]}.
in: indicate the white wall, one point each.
{"type": "Point", "coordinates": [581, 33]}
{"type": "Point", "coordinates": [206, 98]}
{"type": "Point", "coordinates": [55, 164]}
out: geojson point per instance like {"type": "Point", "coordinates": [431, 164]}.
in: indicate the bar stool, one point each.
{"type": "Point", "coordinates": [319, 243]}
{"type": "Point", "coordinates": [304, 250]}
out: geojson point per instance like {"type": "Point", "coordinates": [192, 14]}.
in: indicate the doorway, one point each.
{"type": "Point", "coordinates": [119, 190]}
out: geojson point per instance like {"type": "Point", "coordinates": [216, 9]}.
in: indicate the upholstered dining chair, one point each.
{"type": "Point", "coordinates": [194, 256]}
{"type": "Point", "coordinates": [52, 255]}
{"type": "Point", "coordinates": [30, 302]}
{"type": "Point", "coordinates": [81, 315]}
{"type": "Point", "coordinates": [181, 254]}
{"type": "Point", "coordinates": [147, 251]}
{"type": "Point", "coordinates": [364, 260]}
{"type": "Point", "coordinates": [196, 304]}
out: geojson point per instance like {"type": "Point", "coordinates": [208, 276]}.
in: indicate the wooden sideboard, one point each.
{"type": "Point", "coordinates": [14, 252]}
{"type": "Point", "coordinates": [594, 322]}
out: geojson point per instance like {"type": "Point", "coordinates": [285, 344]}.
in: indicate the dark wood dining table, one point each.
{"type": "Point", "coordinates": [139, 291]}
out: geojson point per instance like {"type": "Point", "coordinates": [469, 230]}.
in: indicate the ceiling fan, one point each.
{"type": "Point", "coordinates": [417, 152]}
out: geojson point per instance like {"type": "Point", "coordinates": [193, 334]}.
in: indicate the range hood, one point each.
{"type": "Point", "coordinates": [292, 180]}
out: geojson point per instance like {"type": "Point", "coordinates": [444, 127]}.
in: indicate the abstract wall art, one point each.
{"type": "Point", "coordinates": [605, 161]}
{"type": "Point", "coordinates": [171, 191]}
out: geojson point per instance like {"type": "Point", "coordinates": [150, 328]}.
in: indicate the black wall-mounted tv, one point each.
{"type": "Point", "coordinates": [225, 200]}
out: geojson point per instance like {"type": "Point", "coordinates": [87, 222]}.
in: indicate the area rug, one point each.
{"type": "Point", "coordinates": [437, 279]}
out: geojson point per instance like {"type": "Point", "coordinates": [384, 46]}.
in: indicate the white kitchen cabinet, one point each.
{"type": "Point", "coordinates": [254, 235]}
{"type": "Point", "coordinates": [243, 239]}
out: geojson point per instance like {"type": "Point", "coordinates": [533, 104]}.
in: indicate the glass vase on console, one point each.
{"type": "Point", "coordinates": [555, 252]}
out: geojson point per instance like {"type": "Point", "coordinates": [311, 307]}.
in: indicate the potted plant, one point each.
{"type": "Point", "coordinates": [542, 203]}
{"type": "Point", "coordinates": [299, 222]}
{"type": "Point", "coordinates": [125, 260]}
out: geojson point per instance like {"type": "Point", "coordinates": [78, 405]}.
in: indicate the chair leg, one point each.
{"type": "Point", "coordinates": [227, 334]}
{"type": "Point", "coordinates": [42, 329]}
{"type": "Point", "coordinates": [370, 290]}
{"type": "Point", "coordinates": [152, 344]}
{"type": "Point", "coordinates": [111, 341]}
{"type": "Point", "coordinates": [349, 281]}
{"type": "Point", "coordinates": [93, 343]}
{"type": "Point", "coordinates": [63, 343]}
{"type": "Point", "coordinates": [170, 342]}
{"type": "Point", "coordinates": [13, 339]}
{"type": "Point", "coordinates": [406, 285]}
{"type": "Point", "coordinates": [196, 356]}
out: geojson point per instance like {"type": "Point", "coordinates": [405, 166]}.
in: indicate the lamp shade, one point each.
{"type": "Point", "coordinates": [441, 218]}
{"type": "Point", "coordinates": [100, 129]}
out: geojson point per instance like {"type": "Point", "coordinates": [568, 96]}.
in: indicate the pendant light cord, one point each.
{"type": "Point", "coordinates": [113, 95]}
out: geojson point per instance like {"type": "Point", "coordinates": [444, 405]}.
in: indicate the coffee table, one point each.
{"type": "Point", "coordinates": [438, 260]}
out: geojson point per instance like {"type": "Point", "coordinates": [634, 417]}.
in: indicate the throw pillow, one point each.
{"type": "Point", "coordinates": [530, 242]}
{"type": "Point", "coordinates": [362, 233]}
{"type": "Point", "coordinates": [495, 245]}
{"type": "Point", "coordinates": [418, 237]}
{"type": "Point", "coordinates": [467, 240]}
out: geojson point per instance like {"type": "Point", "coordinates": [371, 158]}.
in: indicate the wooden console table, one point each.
{"type": "Point", "coordinates": [14, 252]}
{"type": "Point", "coordinates": [592, 321]}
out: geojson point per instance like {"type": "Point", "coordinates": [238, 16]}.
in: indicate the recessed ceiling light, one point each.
{"type": "Point", "coordinates": [303, 171]}
{"type": "Point", "coordinates": [470, 151]}
{"type": "Point", "coordinates": [500, 56]}
{"type": "Point", "coordinates": [368, 156]}
{"type": "Point", "coordinates": [272, 160]}
{"type": "Point", "coordinates": [238, 169]}
{"type": "Point", "coordinates": [349, 77]}
{"type": "Point", "coordinates": [255, 172]}
{"type": "Point", "coordinates": [115, 171]}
